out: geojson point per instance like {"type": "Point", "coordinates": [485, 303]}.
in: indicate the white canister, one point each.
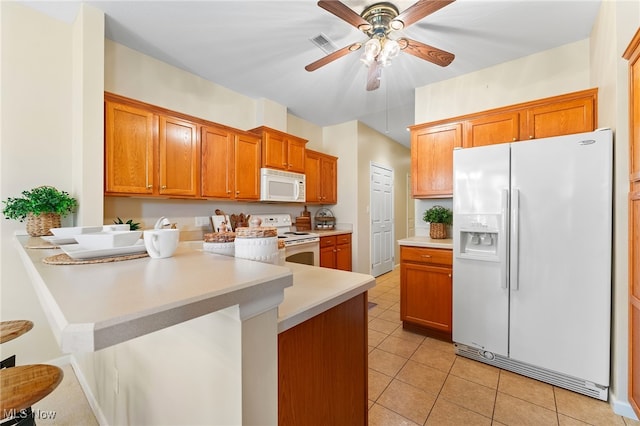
{"type": "Point", "coordinates": [260, 249]}
{"type": "Point", "coordinates": [227, 249]}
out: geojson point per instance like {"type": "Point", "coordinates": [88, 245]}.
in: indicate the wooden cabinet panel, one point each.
{"type": "Point", "coordinates": [295, 154]}
{"type": "Point", "coordinates": [321, 178]}
{"type": "Point", "coordinates": [230, 164]}
{"type": "Point", "coordinates": [335, 252]}
{"type": "Point", "coordinates": [129, 149]}
{"type": "Point", "coordinates": [426, 293]}
{"type": "Point", "coordinates": [432, 159]}
{"type": "Point", "coordinates": [247, 167]}
{"type": "Point", "coordinates": [427, 296]}
{"type": "Point", "coordinates": [426, 255]}
{"type": "Point", "coordinates": [280, 150]}
{"type": "Point", "coordinates": [323, 368]}
{"type": "Point", "coordinates": [217, 148]}
{"type": "Point", "coordinates": [632, 54]}
{"type": "Point", "coordinates": [560, 118]}
{"type": "Point", "coordinates": [492, 129]}
{"type": "Point", "coordinates": [179, 157]}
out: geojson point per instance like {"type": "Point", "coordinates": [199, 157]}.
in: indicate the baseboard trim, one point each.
{"type": "Point", "coordinates": [622, 408]}
{"type": "Point", "coordinates": [93, 402]}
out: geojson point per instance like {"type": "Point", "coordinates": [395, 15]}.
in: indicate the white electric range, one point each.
{"type": "Point", "coordinates": [300, 247]}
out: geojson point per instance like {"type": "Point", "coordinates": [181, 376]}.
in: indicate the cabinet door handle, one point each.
{"type": "Point", "coordinates": [425, 255]}
{"type": "Point", "coordinates": [237, 192]}
{"type": "Point", "coordinates": [228, 191]}
{"type": "Point", "coordinates": [149, 186]}
{"type": "Point", "coordinates": [449, 275]}
{"type": "Point", "coordinates": [530, 137]}
{"type": "Point", "coordinates": [164, 186]}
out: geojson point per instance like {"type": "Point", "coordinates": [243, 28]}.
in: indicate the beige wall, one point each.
{"type": "Point", "coordinates": [612, 32]}
{"type": "Point", "coordinates": [374, 147]}
{"type": "Point", "coordinates": [35, 149]}
{"type": "Point", "coordinates": [549, 73]}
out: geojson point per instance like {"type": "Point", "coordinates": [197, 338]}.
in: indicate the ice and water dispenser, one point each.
{"type": "Point", "coordinates": [480, 236]}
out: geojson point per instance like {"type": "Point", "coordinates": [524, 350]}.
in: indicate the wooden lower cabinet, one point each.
{"type": "Point", "coordinates": [322, 368]}
{"type": "Point", "coordinates": [426, 290]}
{"type": "Point", "coordinates": [335, 252]}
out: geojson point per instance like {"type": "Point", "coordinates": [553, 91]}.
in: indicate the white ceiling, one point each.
{"type": "Point", "coordinates": [260, 48]}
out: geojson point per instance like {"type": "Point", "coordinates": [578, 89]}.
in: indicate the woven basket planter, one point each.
{"type": "Point", "coordinates": [40, 225]}
{"type": "Point", "coordinates": [438, 231]}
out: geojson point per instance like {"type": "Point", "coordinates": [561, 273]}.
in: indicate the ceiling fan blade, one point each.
{"type": "Point", "coordinates": [333, 56]}
{"type": "Point", "coordinates": [419, 10]}
{"type": "Point", "coordinates": [426, 52]}
{"type": "Point", "coordinates": [373, 76]}
{"type": "Point", "coordinates": [345, 13]}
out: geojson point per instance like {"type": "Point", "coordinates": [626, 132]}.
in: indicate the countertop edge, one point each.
{"type": "Point", "coordinates": [427, 242]}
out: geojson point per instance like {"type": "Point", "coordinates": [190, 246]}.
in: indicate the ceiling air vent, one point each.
{"type": "Point", "coordinates": [323, 42]}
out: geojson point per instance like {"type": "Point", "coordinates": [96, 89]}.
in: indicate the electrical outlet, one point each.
{"type": "Point", "coordinates": [202, 220]}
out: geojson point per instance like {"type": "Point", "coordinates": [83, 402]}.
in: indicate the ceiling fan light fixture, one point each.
{"type": "Point", "coordinates": [396, 25]}
{"type": "Point", "coordinates": [371, 50]}
{"type": "Point", "coordinates": [390, 50]}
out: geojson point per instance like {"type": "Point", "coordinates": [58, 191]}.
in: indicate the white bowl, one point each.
{"type": "Point", "coordinates": [71, 231]}
{"type": "Point", "coordinates": [105, 240]}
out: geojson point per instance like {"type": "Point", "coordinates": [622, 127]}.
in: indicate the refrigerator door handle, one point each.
{"type": "Point", "coordinates": [504, 209]}
{"type": "Point", "coordinates": [515, 227]}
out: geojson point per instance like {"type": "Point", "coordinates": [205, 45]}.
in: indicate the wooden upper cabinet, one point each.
{"type": "Point", "coordinates": [492, 129]}
{"type": "Point", "coordinates": [432, 143]}
{"type": "Point", "coordinates": [280, 150]}
{"type": "Point", "coordinates": [321, 172]}
{"type": "Point", "coordinates": [247, 167]}
{"type": "Point", "coordinates": [179, 157]}
{"type": "Point", "coordinates": [432, 159]}
{"type": "Point", "coordinates": [129, 149]}
{"type": "Point", "coordinates": [560, 118]}
{"type": "Point", "coordinates": [217, 148]}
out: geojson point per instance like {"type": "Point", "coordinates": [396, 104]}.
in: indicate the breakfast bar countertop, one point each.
{"type": "Point", "coordinates": [94, 306]}
{"type": "Point", "coordinates": [424, 241]}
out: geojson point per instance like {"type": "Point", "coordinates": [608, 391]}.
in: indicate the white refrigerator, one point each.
{"type": "Point", "coordinates": [532, 258]}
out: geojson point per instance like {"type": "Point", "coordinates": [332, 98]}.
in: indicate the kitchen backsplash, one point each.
{"type": "Point", "coordinates": [146, 211]}
{"type": "Point", "coordinates": [422, 227]}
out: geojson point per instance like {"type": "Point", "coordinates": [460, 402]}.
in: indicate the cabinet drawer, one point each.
{"type": "Point", "coordinates": [327, 241]}
{"type": "Point", "coordinates": [426, 255]}
{"type": "Point", "coordinates": [343, 239]}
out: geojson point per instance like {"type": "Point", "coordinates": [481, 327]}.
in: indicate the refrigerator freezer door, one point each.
{"type": "Point", "coordinates": [480, 293]}
{"type": "Point", "coordinates": [560, 308]}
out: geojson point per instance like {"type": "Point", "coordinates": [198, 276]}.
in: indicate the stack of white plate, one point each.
{"type": "Point", "coordinates": [259, 249]}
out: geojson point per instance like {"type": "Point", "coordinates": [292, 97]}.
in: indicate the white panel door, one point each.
{"type": "Point", "coordinates": [382, 229]}
{"type": "Point", "coordinates": [561, 264]}
{"type": "Point", "coordinates": [480, 293]}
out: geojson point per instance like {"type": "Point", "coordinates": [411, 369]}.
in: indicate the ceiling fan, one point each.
{"type": "Point", "coordinates": [378, 22]}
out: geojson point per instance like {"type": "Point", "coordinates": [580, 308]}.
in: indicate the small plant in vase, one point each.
{"type": "Point", "coordinates": [42, 207]}
{"type": "Point", "coordinates": [438, 218]}
{"type": "Point", "coordinates": [132, 225]}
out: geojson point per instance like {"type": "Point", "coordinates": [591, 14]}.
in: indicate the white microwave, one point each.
{"type": "Point", "coordinates": [276, 185]}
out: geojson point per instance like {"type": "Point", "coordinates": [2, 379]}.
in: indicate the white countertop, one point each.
{"type": "Point", "coordinates": [428, 242]}
{"type": "Point", "coordinates": [316, 290]}
{"type": "Point", "coordinates": [94, 306]}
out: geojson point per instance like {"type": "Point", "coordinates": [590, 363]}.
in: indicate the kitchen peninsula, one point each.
{"type": "Point", "coordinates": [198, 337]}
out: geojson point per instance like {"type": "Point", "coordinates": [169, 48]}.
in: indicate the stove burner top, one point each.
{"type": "Point", "coordinates": [296, 233]}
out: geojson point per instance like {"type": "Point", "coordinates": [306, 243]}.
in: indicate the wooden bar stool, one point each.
{"type": "Point", "coordinates": [9, 330]}
{"type": "Point", "coordinates": [23, 386]}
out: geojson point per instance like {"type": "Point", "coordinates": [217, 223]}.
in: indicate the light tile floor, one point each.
{"type": "Point", "coordinates": [417, 380]}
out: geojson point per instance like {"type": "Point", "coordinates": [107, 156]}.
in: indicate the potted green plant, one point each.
{"type": "Point", "coordinates": [132, 225]}
{"type": "Point", "coordinates": [438, 218]}
{"type": "Point", "coordinates": [42, 207]}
